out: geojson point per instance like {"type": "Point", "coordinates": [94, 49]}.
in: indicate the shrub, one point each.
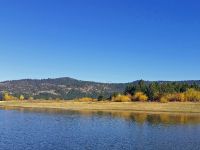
{"type": "Point", "coordinates": [164, 99]}
{"type": "Point", "coordinates": [86, 99]}
{"type": "Point", "coordinates": [192, 95]}
{"type": "Point", "coordinates": [30, 98]}
{"type": "Point", "coordinates": [8, 97]}
{"type": "Point", "coordinates": [21, 97]}
{"type": "Point", "coordinates": [121, 98]}
{"type": "Point", "coordinates": [100, 98]}
{"type": "Point", "coordinates": [177, 97]}
{"type": "Point", "coordinates": [130, 96]}
{"type": "Point", "coordinates": [139, 96]}
{"type": "Point", "coordinates": [169, 97]}
{"type": "Point", "coordinates": [180, 97]}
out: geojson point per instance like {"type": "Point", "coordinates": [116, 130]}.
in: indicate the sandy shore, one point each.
{"type": "Point", "coordinates": [176, 107]}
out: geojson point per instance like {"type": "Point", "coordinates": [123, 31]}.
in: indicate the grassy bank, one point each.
{"type": "Point", "coordinates": [185, 107]}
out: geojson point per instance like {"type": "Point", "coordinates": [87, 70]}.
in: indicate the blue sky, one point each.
{"type": "Point", "coordinates": [100, 40]}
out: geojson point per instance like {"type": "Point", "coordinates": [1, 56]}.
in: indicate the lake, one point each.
{"type": "Point", "coordinates": [34, 129]}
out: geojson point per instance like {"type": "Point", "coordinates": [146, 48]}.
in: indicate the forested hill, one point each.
{"type": "Point", "coordinates": [64, 88]}
{"type": "Point", "coordinates": [67, 88]}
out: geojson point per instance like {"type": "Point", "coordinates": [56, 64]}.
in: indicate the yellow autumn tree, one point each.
{"type": "Point", "coordinates": [140, 96]}
{"type": "Point", "coordinates": [21, 97]}
{"type": "Point", "coordinates": [30, 98]}
{"type": "Point", "coordinates": [8, 97]}
{"type": "Point", "coordinates": [192, 95]}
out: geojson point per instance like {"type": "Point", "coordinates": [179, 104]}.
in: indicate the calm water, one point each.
{"type": "Point", "coordinates": [65, 130]}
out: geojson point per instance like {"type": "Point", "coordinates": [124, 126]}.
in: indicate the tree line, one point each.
{"type": "Point", "coordinates": [140, 91]}
{"type": "Point", "coordinates": [164, 91]}
{"type": "Point", "coordinates": [6, 96]}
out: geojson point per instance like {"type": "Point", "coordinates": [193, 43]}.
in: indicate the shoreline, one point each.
{"type": "Point", "coordinates": [143, 107]}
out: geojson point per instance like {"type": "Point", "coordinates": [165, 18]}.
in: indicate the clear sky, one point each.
{"type": "Point", "coordinates": [100, 40]}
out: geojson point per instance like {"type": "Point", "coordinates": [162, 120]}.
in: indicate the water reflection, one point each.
{"type": "Point", "coordinates": [141, 117]}
{"type": "Point", "coordinates": [137, 117]}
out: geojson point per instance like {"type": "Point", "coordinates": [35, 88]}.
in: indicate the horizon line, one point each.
{"type": "Point", "coordinates": [52, 78]}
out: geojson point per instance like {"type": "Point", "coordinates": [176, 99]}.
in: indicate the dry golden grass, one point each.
{"type": "Point", "coordinates": [86, 99]}
{"type": "Point", "coordinates": [187, 107]}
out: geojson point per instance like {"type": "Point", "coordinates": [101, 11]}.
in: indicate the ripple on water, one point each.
{"type": "Point", "coordinates": [55, 129]}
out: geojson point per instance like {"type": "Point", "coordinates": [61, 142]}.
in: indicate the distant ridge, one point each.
{"type": "Point", "coordinates": [68, 88]}
{"type": "Point", "coordinates": [65, 88]}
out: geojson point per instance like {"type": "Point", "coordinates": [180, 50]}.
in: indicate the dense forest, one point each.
{"type": "Point", "coordinates": [160, 91]}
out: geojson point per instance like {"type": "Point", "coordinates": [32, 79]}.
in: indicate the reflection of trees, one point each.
{"type": "Point", "coordinates": [172, 119]}
{"type": "Point", "coordinates": [141, 118]}
{"type": "Point", "coordinates": [153, 119]}
{"type": "Point", "coordinates": [163, 118]}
